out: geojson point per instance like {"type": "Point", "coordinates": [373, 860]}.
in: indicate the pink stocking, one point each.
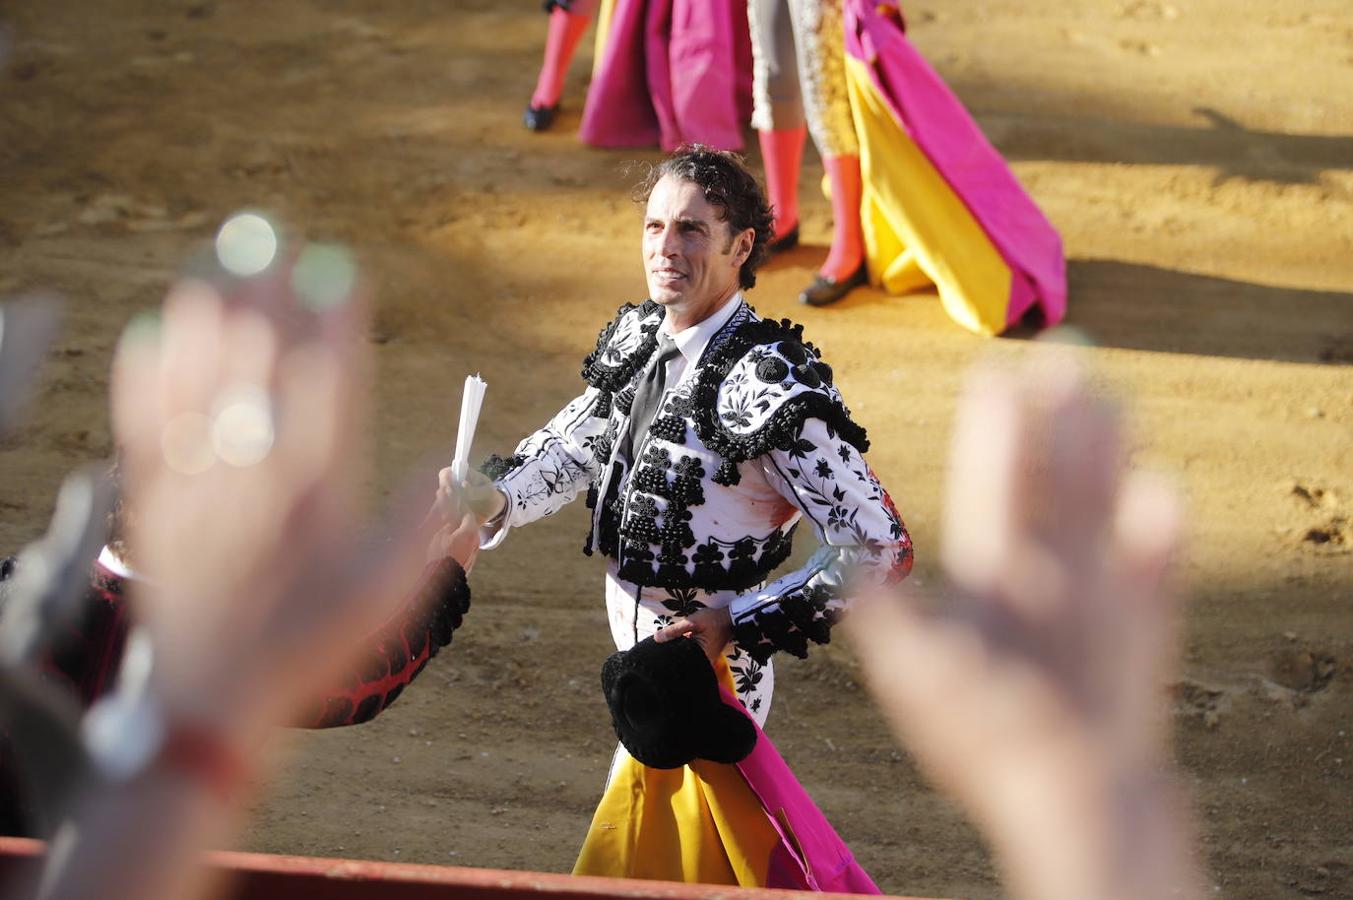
{"type": "Point", "coordinates": [566, 29]}
{"type": "Point", "coordinates": [781, 152]}
{"type": "Point", "coordinates": [843, 173]}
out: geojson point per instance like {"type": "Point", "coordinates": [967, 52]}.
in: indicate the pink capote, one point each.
{"type": "Point", "coordinates": [672, 71]}
{"type": "Point", "coordinates": [937, 122]}
{"type": "Point", "coordinates": [810, 856]}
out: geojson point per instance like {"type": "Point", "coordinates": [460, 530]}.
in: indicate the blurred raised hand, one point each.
{"type": "Point", "coordinates": [239, 417]}
{"type": "Point", "coordinates": [1033, 690]}
{"type": "Point", "coordinates": [240, 423]}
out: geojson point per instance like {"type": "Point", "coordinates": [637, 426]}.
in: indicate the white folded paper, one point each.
{"type": "Point", "coordinates": [471, 399]}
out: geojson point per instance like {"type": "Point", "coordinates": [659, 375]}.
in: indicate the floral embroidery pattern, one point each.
{"type": "Point", "coordinates": [683, 601]}
{"type": "Point", "coordinates": [741, 416]}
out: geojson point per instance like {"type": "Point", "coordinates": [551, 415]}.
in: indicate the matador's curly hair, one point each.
{"type": "Point", "coordinates": [729, 186]}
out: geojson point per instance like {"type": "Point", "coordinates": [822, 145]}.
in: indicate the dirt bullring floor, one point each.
{"type": "Point", "coordinates": [1197, 156]}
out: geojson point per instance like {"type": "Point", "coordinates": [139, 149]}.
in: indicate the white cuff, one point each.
{"type": "Point", "coordinates": [494, 531]}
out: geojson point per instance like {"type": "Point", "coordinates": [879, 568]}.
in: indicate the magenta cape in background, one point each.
{"type": "Point", "coordinates": [672, 71]}
{"type": "Point", "coordinates": [810, 855]}
{"type": "Point", "coordinates": [935, 120]}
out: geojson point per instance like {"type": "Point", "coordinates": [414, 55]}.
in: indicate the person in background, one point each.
{"type": "Point", "coordinates": [665, 72]}
{"type": "Point", "coordinates": [798, 88]}
{"type": "Point", "coordinates": [568, 22]}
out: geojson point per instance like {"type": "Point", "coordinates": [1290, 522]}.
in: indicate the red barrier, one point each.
{"type": "Point", "coordinates": [264, 876]}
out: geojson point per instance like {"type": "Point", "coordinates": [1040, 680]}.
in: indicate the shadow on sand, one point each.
{"type": "Point", "coordinates": [1224, 143]}
{"type": "Point", "coordinates": [1141, 307]}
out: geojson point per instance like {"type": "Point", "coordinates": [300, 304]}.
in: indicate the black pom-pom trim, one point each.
{"type": "Point", "coordinates": [731, 344]}
{"type": "Point", "coordinates": [805, 375]}
{"type": "Point", "coordinates": [496, 467]}
{"type": "Point", "coordinates": [772, 370]}
{"type": "Point", "coordinates": [624, 400]}
{"type": "Point", "coordinates": [687, 492]}
{"type": "Point", "coordinates": [788, 625]}
{"type": "Point", "coordinates": [744, 573]}
{"type": "Point", "coordinates": [794, 350]}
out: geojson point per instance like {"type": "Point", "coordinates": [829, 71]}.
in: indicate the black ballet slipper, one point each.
{"type": "Point", "coordinates": [824, 291]}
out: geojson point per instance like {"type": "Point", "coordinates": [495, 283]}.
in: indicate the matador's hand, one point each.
{"type": "Point", "coordinates": [476, 495]}
{"type": "Point", "coordinates": [713, 628]}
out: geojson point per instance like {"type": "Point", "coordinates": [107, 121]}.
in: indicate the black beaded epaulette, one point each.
{"type": "Point", "coordinates": [613, 375]}
{"type": "Point", "coordinates": [781, 430]}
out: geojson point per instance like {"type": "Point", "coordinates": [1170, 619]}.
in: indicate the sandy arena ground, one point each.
{"type": "Point", "coordinates": [1196, 155]}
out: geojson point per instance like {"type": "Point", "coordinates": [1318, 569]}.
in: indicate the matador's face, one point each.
{"type": "Point", "coordinates": [691, 258]}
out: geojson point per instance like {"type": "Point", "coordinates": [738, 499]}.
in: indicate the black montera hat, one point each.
{"type": "Point", "coordinates": [666, 707]}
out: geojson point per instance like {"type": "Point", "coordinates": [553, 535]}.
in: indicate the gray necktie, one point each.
{"type": "Point", "coordinates": [649, 393]}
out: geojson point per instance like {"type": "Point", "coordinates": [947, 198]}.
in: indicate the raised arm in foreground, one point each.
{"type": "Point", "coordinates": [245, 399]}
{"type": "Point", "coordinates": [1035, 692]}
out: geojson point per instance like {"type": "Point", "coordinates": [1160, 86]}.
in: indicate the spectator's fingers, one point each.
{"type": "Point", "coordinates": [1079, 479]}
{"type": "Point", "coordinates": [326, 290]}
{"type": "Point", "coordinates": [984, 462]}
{"type": "Point", "coordinates": [191, 349]}
{"type": "Point", "coordinates": [998, 489]}
{"type": "Point", "coordinates": [1146, 538]}
{"type": "Point", "coordinates": [888, 632]}
{"type": "Point", "coordinates": [253, 348]}
{"type": "Point", "coordinates": [315, 438]}
{"type": "Point", "coordinates": [135, 419]}
{"type": "Point", "coordinates": [263, 268]}
{"type": "Point", "coordinates": [324, 594]}
{"type": "Point", "coordinates": [1141, 614]}
{"type": "Point", "coordinates": [1069, 490]}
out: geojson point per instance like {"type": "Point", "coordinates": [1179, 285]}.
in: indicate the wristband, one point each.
{"type": "Point", "coordinates": [128, 736]}
{"type": "Point", "coordinates": [206, 757]}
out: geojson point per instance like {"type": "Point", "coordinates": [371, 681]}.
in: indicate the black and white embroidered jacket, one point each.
{"type": "Point", "coordinates": [754, 438]}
